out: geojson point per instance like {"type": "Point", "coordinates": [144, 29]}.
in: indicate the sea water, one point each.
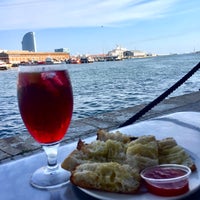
{"type": "Point", "coordinates": [101, 87]}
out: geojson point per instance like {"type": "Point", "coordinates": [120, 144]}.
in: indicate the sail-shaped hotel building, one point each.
{"type": "Point", "coordinates": [28, 42]}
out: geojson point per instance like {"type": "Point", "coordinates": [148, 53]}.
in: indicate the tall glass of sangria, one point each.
{"type": "Point", "coordinates": [45, 102]}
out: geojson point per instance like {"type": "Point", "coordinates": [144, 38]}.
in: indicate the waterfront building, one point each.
{"type": "Point", "coordinates": [138, 53]}
{"type": "Point", "coordinates": [66, 50]}
{"type": "Point", "coordinates": [122, 53]}
{"type": "Point", "coordinates": [128, 54]}
{"type": "Point", "coordinates": [28, 42]}
{"type": "Point", "coordinates": [16, 57]}
{"type": "Point", "coordinates": [117, 52]}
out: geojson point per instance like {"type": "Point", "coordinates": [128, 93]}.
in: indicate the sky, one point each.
{"type": "Point", "coordinates": [98, 26]}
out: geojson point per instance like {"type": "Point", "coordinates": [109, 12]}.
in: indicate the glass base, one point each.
{"type": "Point", "coordinates": [45, 178]}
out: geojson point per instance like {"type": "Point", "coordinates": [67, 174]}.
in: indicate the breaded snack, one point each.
{"type": "Point", "coordinates": [169, 152]}
{"type": "Point", "coordinates": [142, 152]}
{"type": "Point", "coordinates": [97, 151]}
{"type": "Point", "coordinates": [118, 136]}
{"type": "Point", "coordinates": [109, 176]}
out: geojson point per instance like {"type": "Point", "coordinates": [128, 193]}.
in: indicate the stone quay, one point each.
{"type": "Point", "coordinates": [19, 146]}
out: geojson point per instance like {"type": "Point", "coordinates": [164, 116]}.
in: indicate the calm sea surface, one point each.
{"type": "Point", "coordinates": [107, 86]}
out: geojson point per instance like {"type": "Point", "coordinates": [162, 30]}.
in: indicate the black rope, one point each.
{"type": "Point", "coordinates": [161, 97]}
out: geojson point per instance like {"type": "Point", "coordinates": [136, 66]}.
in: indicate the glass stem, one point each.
{"type": "Point", "coordinates": [51, 153]}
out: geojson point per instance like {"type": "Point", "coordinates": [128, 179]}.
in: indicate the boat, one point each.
{"type": "Point", "coordinates": [90, 59]}
{"type": "Point", "coordinates": [3, 66]}
{"type": "Point", "coordinates": [75, 60]}
{"type": "Point", "coordinates": [87, 59]}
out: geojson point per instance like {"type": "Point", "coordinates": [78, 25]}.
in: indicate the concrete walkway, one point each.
{"type": "Point", "coordinates": [23, 145]}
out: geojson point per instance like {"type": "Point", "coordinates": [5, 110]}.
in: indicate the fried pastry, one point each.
{"type": "Point", "coordinates": [97, 151]}
{"type": "Point", "coordinates": [142, 152]}
{"type": "Point", "coordinates": [169, 152]}
{"type": "Point", "coordinates": [109, 176]}
{"type": "Point", "coordinates": [103, 135]}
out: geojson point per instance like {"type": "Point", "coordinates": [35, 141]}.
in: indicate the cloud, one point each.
{"type": "Point", "coordinates": [37, 14]}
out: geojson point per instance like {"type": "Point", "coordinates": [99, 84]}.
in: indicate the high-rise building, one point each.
{"type": "Point", "coordinates": [28, 42]}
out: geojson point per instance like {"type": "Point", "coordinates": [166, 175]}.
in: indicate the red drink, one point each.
{"type": "Point", "coordinates": [46, 104]}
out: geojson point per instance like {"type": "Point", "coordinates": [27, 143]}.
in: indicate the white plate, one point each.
{"type": "Point", "coordinates": [143, 194]}
{"type": "Point", "coordinates": [186, 134]}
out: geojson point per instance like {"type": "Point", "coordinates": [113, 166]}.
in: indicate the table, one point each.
{"type": "Point", "coordinates": [15, 175]}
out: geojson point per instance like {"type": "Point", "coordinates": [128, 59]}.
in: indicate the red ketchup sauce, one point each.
{"type": "Point", "coordinates": [168, 188]}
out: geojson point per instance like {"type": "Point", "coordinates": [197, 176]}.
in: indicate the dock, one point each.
{"type": "Point", "coordinates": [23, 145]}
